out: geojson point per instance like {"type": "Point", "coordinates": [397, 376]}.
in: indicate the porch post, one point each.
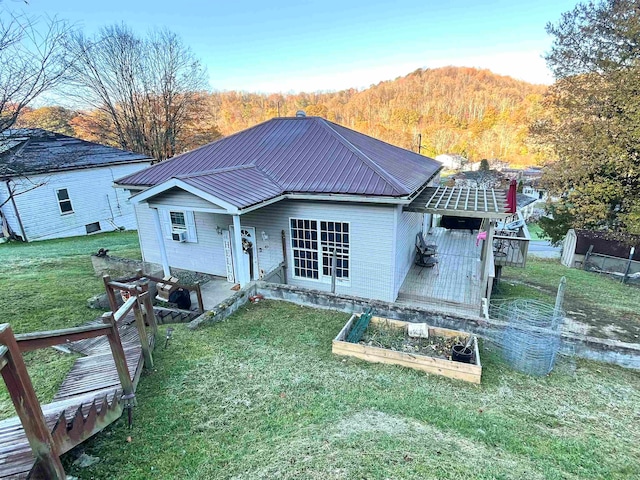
{"type": "Point", "coordinates": [488, 244]}
{"type": "Point", "coordinates": [160, 239]}
{"type": "Point", "coordinates": [237, 250]}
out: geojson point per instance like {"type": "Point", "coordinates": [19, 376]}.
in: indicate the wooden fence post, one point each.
{"type": "Point", "coordinates": [110, 293]}
{"type": "Point", "coordinates": [199, 295]}
{"type": "Point", "coordinates": [142, 331]}
{"type": "Point", "coordinates": [118, 354]}
{"type": "Point", "coordinates": [24, 399]}
{"type": "Point", "coordinates": [148, 307]}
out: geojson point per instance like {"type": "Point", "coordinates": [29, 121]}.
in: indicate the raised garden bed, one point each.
{"type": "Point", "coordinates": [387, 341]}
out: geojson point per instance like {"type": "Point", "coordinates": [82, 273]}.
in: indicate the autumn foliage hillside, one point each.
{"type": "Point", "coordinates": [460, 110]}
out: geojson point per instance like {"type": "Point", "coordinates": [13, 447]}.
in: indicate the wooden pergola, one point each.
{"type": "Point", "coordinates": [461, 202]}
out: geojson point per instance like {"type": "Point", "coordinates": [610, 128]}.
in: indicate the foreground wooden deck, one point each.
{"type": "Point", "coordinates": [88, 399]}
{"type": "Point", "coordinates": [455, 285]}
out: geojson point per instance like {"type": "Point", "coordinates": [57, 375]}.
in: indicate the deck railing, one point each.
{"type": "Point", "coordinates": [510, 248]}
{"type": "Point", "coordinates": [191, 288]}
{"type": "Point", "coordinates": [46, 446]}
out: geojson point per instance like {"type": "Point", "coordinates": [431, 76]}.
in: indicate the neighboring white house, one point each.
{"type": "Point", "coordinates": [296, 191]}
{"type": "Point", "coordinates": [53, 185]}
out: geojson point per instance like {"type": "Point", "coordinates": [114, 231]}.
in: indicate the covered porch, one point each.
{"type": "Point", "coordinates": [465, 269]}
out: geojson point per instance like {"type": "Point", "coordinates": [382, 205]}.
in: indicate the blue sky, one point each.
{"type": "Point", "coordinates": [282, 46]}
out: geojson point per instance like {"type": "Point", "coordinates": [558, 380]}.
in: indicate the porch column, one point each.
{"type": "Point", "coordinates": [160, 239]}
{"type": "Point", "coordinates": [238, 255]}
{"type": "Point", "coordinates": [488, 244]}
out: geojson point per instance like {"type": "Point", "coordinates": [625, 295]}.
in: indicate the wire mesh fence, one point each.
{"type": "Point", "coordinates": [531, 339]}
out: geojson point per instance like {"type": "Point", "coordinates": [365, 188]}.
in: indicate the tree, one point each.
{"type": "Point", "coordinates": [145, 86]}
{"type": "Point", "coordinates": [594, 125]}
{"type": "Point", "coordinates": [54, 119]}
{"type": "Point", "coordinates": [484, 165]}
{"type": "Point", "coordinates": [33, 60]}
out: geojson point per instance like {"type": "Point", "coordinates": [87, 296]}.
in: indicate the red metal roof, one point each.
{"type": "Point", "coordinates": [240, 186]}
{"type": "Point", "coordinates": [295, 155]}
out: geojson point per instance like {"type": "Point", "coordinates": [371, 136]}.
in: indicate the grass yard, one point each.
{"type": "Point", "coordinates": [596, 304]}
{"type": "Point", "coordinates": [536, 232]}
{"type": "Point", "coordinates": [260, 396]}
{"type": "Point", "coordinates": [45, 286]}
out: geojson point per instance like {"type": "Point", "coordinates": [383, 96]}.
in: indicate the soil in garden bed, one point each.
{"type": "Point", "coordinates": [396, 339]}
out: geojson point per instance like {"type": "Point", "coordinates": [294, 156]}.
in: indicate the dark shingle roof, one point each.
{"type": "Point", "coordinates": [296, 155]}
{"type": "Point", "coordinates": [523, 200]}
{"type": "Point", "coordinates": [31, 151]}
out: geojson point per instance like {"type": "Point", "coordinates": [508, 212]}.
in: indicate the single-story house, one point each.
{"type": "Point", "coordinates": [303, 192]}
{"type": "Point", "coordinates": [53, 185]}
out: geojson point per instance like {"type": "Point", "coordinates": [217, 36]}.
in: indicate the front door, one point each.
{"type": "Point", "coordinates": [249, 251]}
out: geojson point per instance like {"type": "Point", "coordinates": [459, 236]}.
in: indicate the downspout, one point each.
{"type": "Point", "coordinates": [15, 208]}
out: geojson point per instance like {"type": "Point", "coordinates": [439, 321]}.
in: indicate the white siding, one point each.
{"type": "Point", "coordinates": [371, 243]}
{"type": "Point", "coordinates": [206, 255]}
{"type": "Point", "coordinates": [8, 210]}
{"type": "Point", "coordinates": [176, 197]}
{"type": "Point", "coordinates": [408, 225]}
{"type": "Point", "coordinates": [92, 196]}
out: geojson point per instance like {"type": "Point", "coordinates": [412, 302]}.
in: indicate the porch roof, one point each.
{"type": "Point", "coordinates": [461, 202]}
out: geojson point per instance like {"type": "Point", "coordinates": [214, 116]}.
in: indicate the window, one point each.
{"type": "Point", "coordinates": [64, 202]}
{"type": "Point", "coordinates": [313, 244]}
{"type": "Point", "coordinates": [92, 227]}
{"type": "Point", "coordinates": [178, 221]}
{"type": "Point", "coordinates": [304, 244]}
{"type": "Point", "coordinates": [335, 236]}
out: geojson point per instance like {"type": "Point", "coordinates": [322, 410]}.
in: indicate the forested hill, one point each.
{"type": "Point", "coordinates": [468, 111]}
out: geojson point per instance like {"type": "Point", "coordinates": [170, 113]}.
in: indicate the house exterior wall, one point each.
{"type": "Point", "coordinates": [372, 240]}
{"type": "Point", "coordinates": [408, 225]}
{"type": "Point", "coordinates": [8, 210]}
{"type": "Point", "coordinates": [179, 198]}
{"type": "Point", "coordinates": [206, 255]}
{"type": "Point", "coordinates": [92, 196]}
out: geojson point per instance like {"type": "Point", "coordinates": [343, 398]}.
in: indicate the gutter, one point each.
{"type": "Point", "coordinates": [15, 208]}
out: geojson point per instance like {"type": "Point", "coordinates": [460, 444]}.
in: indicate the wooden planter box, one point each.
{"type": "Point", "coordinates": [439, 366]}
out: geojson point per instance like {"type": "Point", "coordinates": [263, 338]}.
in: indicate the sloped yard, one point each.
{"type": "Point", "coordinates": [596, 305]}
{"type": "Point", "coordinates": [260, 396]}
{"type": "Point", "coordinates": [45, 286]}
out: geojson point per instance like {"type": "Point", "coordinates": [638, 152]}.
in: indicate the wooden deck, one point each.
{"type": "Point", "coordinates": [455, 285]}
{"type": "Point", "coordinates": [89, 394]}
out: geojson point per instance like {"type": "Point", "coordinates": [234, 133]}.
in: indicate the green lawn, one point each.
{"type": "Point", "coordinates": [45, 286]}
{"type": "Point", "coordinates": [536, 232]}
{"type": "Point", "coordinates": [260, 396]}
{"type": "Point", "coordinates": [606, 307]}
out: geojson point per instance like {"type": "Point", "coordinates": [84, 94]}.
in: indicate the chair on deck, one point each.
{"type": "Point", "coordinates": [425, 253]}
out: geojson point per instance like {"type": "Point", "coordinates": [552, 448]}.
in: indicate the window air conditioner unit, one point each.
{"type": "Point", "coordinates": [179, 236]}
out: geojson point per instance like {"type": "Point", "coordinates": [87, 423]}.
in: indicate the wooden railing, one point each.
{"type": "Point", "coordinates": [48, 447]}
{"type": "Point", "coordinates": [140, 276]}
{"type": "Point", "coordinates": [511, 248]}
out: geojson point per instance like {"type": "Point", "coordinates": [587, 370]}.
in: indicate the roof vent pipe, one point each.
{"type": "Point", "coordinates": [300, 113]}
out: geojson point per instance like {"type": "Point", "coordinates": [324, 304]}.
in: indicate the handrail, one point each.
{"type": "Point", "coordinates": [133, 289]}
{"type": "Point", "coordinates": [125, 309]}
{"type": "Point", "coordinates": [36, 340]}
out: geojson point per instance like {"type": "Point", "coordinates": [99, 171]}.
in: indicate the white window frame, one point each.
{"type": "Point", "coordinates": [57, 190]}
{"type": "Point", "coordinates": [321, 277]}
{"type": "Point", "coordinates": [175, 226]}
{"type": "Point", "coordinates": [168, 225]}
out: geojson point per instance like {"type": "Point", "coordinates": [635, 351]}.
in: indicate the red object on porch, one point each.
{"type": "Point", "coordinates": [512, 203]}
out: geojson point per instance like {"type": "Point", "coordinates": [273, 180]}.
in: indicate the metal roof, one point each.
{"type": "Point", "coordinates": [462, 202]}
{"type": "Point", "coordinates": [298, 155]}
{"type": "Point", "coordinates": [254, 186]}
{"type": "Point", "coordinates": [32, 151]}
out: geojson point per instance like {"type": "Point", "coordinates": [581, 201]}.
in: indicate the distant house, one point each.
{"type": "Point", "coordinates": [53, 185]}
{"type": "Point", "coordinates": [480, 179]}
{"type": "Point", "coordinates": [452, 161]}
{"type": "Point", "coordinates": [525, 205]}
{"type": "Point", "coordinates": [338, 209]}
